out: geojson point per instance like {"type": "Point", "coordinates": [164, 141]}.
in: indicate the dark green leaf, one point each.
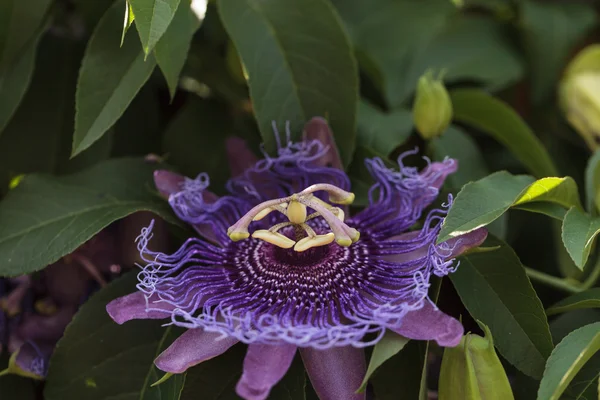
{"type": "Point", "coordinates": [587, 299]}
{"type": "Point", "coordinates": [382, 132]}
{"type": "Point", "coordinates": [432, 34]}
{"type": "Point", "coordinates": [481, 202]}
{"type": "Point", "coordinates": [551, 30]}
{"type": "Point", "coordinates": [152, 19]}
{"type": "Point", "coordinates": [492, 116]}
{"type": "Point", "coordinates": [47, 217]}
{"type": "Point", "coordinates": [172, 49]}
{"type": "Point", "coordinates": [494, 288]}
{"type": "Point", "coordinates": [387, 347]}
{"type": "Point", "coordinates": [300, 65]}
{"type": "Point", "coordinates": [97, 359]}
{"type": "Point", "coordinates": [19, 23]}
{"type": "Point", "coordinates": [579, 230]}
{"type": "Point", "coordinates": [109, 78]}
{"type": "Point", "coordinates": [592, 184]}
{"type": "Point", "coordinates": [569, 356]}
{"type": "Point", "coordinates": [293, 384]}
{"type": "Point", "coordinates": [15, 387]}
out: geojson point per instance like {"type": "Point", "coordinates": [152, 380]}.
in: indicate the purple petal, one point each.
{"type": "Point", "coordinates": [133, 306]}
{"type": "Point", "coordinates": [192, 348]}
{"type": "Point", "coordinates": [33, 359]}
{"type": "Point", "coordinates": [264, 366]}
{"type": "Point", "coordinates": [429, 323]}
{"type": "Point", "coordinates": [335, 373]}
{"type": "Point", "coordinates": [440, 171]}
{"type": "Point", "coordinates": [318, 129]}
{"type": "Point", "coordinates": [467, 241]}
{"type": "Point", "coordinates": [168, 182]}
{"type": "Point", "coordinates": [240, 157]}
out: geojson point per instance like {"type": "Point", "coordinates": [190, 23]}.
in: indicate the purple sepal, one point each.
{"type": "Point", "coordinates": [318, 129]}
{"type": "Point", "coordinates": [135, 306]}
{"type": "Point", "coordinates": [429, 323]}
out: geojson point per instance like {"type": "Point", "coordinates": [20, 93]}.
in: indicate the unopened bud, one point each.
{"type": "Point", "coordinates": [473, 371]}
{"type": "Point", "coordinates": [579, 95]}
{"type": "Point", "coordinates": [432, 109]}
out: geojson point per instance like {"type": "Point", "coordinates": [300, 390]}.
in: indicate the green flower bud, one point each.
{"type": "Point", "coordinates": [432, 110]}
{"type": "Point", "coordinates": [579, 95]}
{"type": "Point", "coordinates": [472, 371]}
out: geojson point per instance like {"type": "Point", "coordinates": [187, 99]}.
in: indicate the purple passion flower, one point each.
{"type": "Point", "coordinates": [281, 266]}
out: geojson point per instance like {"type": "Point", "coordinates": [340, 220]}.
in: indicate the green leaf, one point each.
{"type": "Point", "coordinates": [382, 132]}
{"type": "Point", "coordinates": [300, 64]}
{"type": "Point", "coordinates": [494, 288]}
{"type": "Point", "coordinates": [128, 21]}
{"type": "Point", "coordinates": [109, 79]}
{"type": "Point", "coordinates": [551, 30]}
{"type": "Point", "coordinates": [578, 233]}
{"type": "Point", "coordinates": [389, 345]}
{"type": "Point", "coordinates": [592, 184]}
{"type": "Point", "coordinates": [432, 34]}
{"type": "Point", "coordinates": [98, 359]}
{"type": "Point", "coordinates": [492, 116]}
{"type": "Point", "coordinates": [480, 203]}
{"type": "Point", "coordinates": [46, 218]}
{"type": "Point", "coordinates": [20, 22]}
{"type": "Point", "coordinates": [569, 356]}
{"type": "Point", "coordinates": [152, 19]}
{"type": "Point", "coordinates": [15, 387]}
{"type": "Point", "coordinates": [587, 299]}
{"type": "Point", "coordinates": [172, 49]}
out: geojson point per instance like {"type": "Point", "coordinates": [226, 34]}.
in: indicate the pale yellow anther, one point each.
{"type": "Point", "coordinates": [315, 241]}
{"type": "Point", "coordinates": [268, 210]}
{"type": "Point", "coordinates": [343, 200]}
{"type": "Point", "coordinates": [354, 235]}
{"type": "Point", "coordinates": [274, 238]}
{"type": "Point", "coordinates": [296, 212]}
{"type": "Point", "coordinates": [236, 236]}
{"type": "Point", "coordinates": [343, 241]}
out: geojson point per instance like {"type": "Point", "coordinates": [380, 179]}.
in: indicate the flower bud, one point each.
{"type": "Point", "coordinates": [473, 371]}
{"type": "Point", "coordinates": [432, 109]}
{"type": "Point", "coordinates": [579, 95]}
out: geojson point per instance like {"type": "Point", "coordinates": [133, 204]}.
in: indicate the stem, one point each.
{"type": "Point", "coordinates": [549, 280]}
{"type": "Point", "coordinates": [592, 277]}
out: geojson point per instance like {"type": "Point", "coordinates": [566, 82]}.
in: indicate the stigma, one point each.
{"type": "Point", "coordinates": [295, 209]}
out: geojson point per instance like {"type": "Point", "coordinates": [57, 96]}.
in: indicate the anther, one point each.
{"type": "Point", "coordinates": [315, 241]}
{"type": "Point", "coordinates": [274, 238]}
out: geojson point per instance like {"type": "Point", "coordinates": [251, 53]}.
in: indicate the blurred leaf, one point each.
{"type": "Point", "coordinates": [55, 215]}
{"type": "Point", "coordinates": [172, 49]}
{"type": "Point", "coordinates": [494, 288]}
{"type": "Point", "coordinates": [551, 30]}
{"type": "Point", "coordinates": [492, 116]}
{"type": "Point", "coordinates": [578, 233]}
{"type": "Point", "coordinates": [195, 141]}
{"type": "Point", "coordinates": [300, 64]}
{"type": "Point", "coordinates": [109, 79]}
{"type": "Point", "coordinates": [389, 345]}
{"type": "Point", "coordinates": [293, 384]}
{"type": "Point", "coordinates": [91, 11]}
{"type": "Point", "coordinates": [382, 132]}
{"type": "Point", "coordinates": [19, 23]}
{"type": "Point", "coordinates": [152, 19]}
{"type": "Point", "coordinates": [592, 184]}
{"type": "Point", "coordinates": [15, 387]}
{"type": "Point", "coordinates": [398, 40]}
{"type": "Point", "coordinates": [569, 356]}
{"type": "Point", "coordinates": [587, 299]}
{"type": "Point", "coordinates": [97, 359]}
{"type": "Point", "coordinates": [400, 377]}
{"type": "Point", "coordinates": [481, 202]}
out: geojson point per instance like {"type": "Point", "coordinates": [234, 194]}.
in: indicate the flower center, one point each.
{"type": "Point", "coordinates": [295, 207]}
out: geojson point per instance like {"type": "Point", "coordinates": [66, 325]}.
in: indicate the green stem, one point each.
{"type": "Point", "coordinates": [592, 277]}
{"type": "Point", "coordinates": [549, 280]}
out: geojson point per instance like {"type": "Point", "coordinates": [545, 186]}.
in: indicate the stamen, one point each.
{"type": "Point", "coordinates": [310, 242]}
{"type": "Point", "coordinates": [274, 238]}
{"type": "Point", "coordinates": [336, 195]}
{"type": "Point", "coordinates": [280, 207]}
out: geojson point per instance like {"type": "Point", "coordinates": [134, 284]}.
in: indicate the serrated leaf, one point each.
{"type": "Point", "coordinates": [109, 78]}
{"type": "Point", "coordinates": [300, 64]}
{"type": "Point", "coordinates": [389, 345]}
{"type": "Point", "coordinates": [172, 49]}
{"type": "Point", "coordinates": [551, 30]}
{"type": "Point", "coordinates": [152, 19]}
{"type": "Point", "coordinates": [432, 34]}
{"type": "Point", "coordinates": [98, 359]}
{"type": "Point", "coordinates": [494, 288]}
{"type": "Point", "coordinates": [480, 203]}
{"type": "Point", "coordinates": [495, 118]}
{"type": "Point", "coordinates": [46, 217]}
{"type": "Point", "coordinates": [587, 299]}
{"type": "Point", "coordinates": [382, 132]}
{"type": "Point", "coordinates": [579, 230]}
{"type": "Point", "coordinates": [592, 184]}
{"type": "Point", "coordinates": [569, 356]}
